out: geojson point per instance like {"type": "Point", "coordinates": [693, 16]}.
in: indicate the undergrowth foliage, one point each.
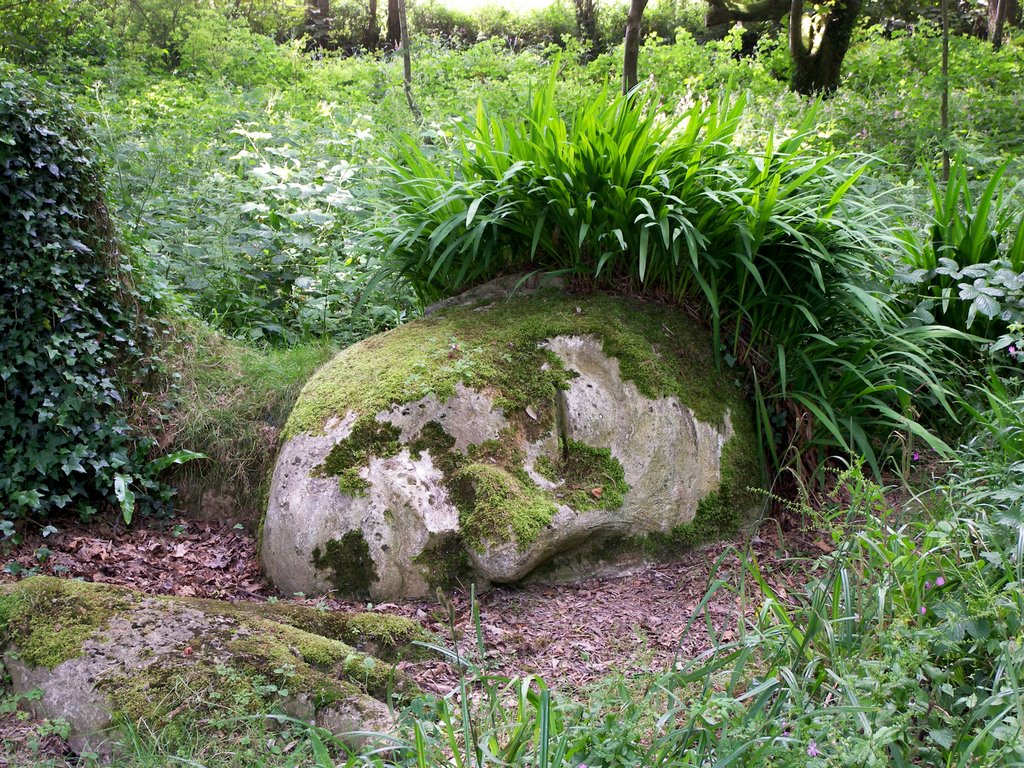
{"type": "Point", "coordinates": [70, 322]}
{"type": "Point", "coordinates": [786, 253]}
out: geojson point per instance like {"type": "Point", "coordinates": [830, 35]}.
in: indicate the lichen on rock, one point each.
{"type": "Point", "coordinates": [518, 431]}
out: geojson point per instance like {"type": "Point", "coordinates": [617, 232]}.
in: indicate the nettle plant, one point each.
{"type": "Point", "coordinates": [72, 337]}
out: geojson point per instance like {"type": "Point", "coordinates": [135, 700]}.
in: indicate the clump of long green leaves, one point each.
{"type": "Point", "coordinates": [784, 251]}
{"type": "Point", "coordinates": [904, 648]}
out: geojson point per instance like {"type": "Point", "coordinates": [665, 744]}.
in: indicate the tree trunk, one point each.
{"type": "Point", "coordinates": [998, 12]}
{"type": "Point", "coordinates": [318, 22]}
{"type": "Point", "coordinates": [407, 59]}
{"type": "Point", "coordinates": [371, 40]}
{"type": "Point", "coordinates": [586, 27]}
{"type": "Point", "coordinates": [394, 31]}
{"type": "Point", "coordinates": [944, 100]}
{"type": "Point", "coordinates": [818, 45]}
{"type": "Point", "coordinates": [632, 44]}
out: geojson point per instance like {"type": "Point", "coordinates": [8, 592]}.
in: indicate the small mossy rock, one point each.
{"type": "Point", "coordinates": [102, 655]}
{"type": "Point", "coordinates": [490, 439]}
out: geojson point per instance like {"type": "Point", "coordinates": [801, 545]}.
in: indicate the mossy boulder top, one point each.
{"type": "Point", "coordinates": [497, 437]}
{"type": "Point", "coordinates": [99, 655]}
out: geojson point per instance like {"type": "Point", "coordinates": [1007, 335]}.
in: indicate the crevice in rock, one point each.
{"type": "Point", "coordinates": [562, 421]}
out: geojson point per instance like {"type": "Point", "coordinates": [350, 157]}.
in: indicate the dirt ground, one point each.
{"type": "Point", "coordinates": [569, 634]}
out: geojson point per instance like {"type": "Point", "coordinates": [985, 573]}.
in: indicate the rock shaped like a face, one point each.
{"type": "Point", "coordinates": [538, 443]}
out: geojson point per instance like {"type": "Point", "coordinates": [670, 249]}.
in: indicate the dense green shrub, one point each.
{"type": "Point", "coordinates": [449, 25]}
{"type": "Point", "coordinates": [72, 338]}
{"type": "Point", "coordinates": [218, 46]}
{"type": "Point", "coordinates": [71, 31]}
{"type": "Point", "coordinates": [247, 215]}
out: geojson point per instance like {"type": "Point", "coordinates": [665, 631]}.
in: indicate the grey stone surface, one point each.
{"type": "Point", "coordinates": [155, 633]}
{"type": "Point", "coordinates": [671, 461]}
{"type": "Point", "coordinates": [128, 644]}
{"type": "Point", "coordinates": [670, 458]}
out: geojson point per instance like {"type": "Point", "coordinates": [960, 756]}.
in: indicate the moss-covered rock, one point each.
{"type": "Point", "coordinates": [103, 655]}
{"type": "Point", "coordinates": [502, 437]}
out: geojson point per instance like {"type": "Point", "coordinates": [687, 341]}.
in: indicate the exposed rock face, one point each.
{"type": "Point", "coordinates": [98, 653]}
{"type": "Point", "coordinates": [483, 442]}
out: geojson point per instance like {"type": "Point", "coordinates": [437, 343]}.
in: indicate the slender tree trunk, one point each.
{"type": "Point", "coordinates": [371, 40]}
{"type": "Point", "coordinates": [318, 22]}
{"type": "Point", "coordinates": [818, 44]}
{"type": "Point", "coordinates": [944, 104]}
{"type": "Point", "coordinates": [998, 12]}
{"type": "Point", "coordinates": [632, 44]}
{"type": "Point", "coordinates": [394, 31]}
{"type": "Point", "coordinates": [586, 27]}
{"type": "Point", "coordinates": [407, 60]}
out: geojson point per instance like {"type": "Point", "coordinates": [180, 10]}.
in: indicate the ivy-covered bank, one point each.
{"type": "Point", "coordinates": [477, 407]}
{"type": "Point", "coordinates": [188, 664]}
{"type": "Point", "coordinates": [71, 324]}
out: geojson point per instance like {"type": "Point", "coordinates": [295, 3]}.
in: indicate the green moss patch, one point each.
{"type": "Point", "coordinates": [446, 564]}
{"type": "Point", "coordinates": [50, 619]}
{"type": "Point", "coordinates": [588, 477]}
{"type": "Point", "coordinates": [434, 440]}
{"type": "Point", "coordinates": [388, 637]}
{"type": "Point", "coordinates": [658, 348]}
{"type": "Point", "coordinates": [348, 562]}
{"type": "Point", "coordinates": [495, 505]}
{"type": "Point", "coordinates": [368, 437]}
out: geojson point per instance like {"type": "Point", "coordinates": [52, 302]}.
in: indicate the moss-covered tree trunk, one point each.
{"type": "Point", "coordinates": [999, 13]}
{"type": "Point", "coordinates": [586, 27]}
{"type": "Point", "coordinates": [403, 20]}
{"type": "Point", "coordinates": [818, 44]}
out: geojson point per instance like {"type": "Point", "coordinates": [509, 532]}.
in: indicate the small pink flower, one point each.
{"type": "Point", "coordinates": [927, 585]}
{"type": "Point", "coordinates": [1012, 350]}
{"type": "Point", "coordinates": [923, 610]}
{"type": "Point", "coordinates": [940, 581]}
{"type": "Point", "coordinates": [916, 456]}
{"type": "Point", "coordinates": [812, 749]}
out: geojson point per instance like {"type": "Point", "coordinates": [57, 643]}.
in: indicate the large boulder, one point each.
{"type": "Point", "coordinates": [491, 439]}
{"type": "Point", "coordinates": [98, 655]}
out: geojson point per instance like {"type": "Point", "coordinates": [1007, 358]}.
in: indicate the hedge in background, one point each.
{"type": "Point", "coordinates": [70, 331]}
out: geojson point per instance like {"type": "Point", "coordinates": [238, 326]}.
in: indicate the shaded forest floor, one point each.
{"type": "Point", "coordinates": [570, 634]}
